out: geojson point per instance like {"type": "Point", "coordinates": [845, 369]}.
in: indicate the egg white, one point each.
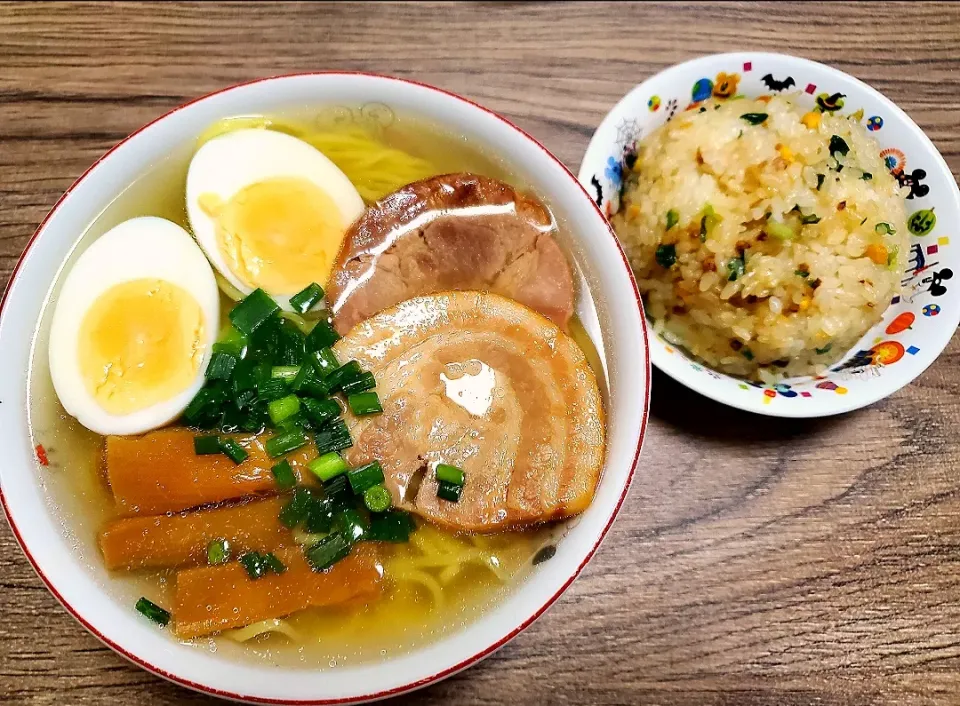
{"type": "Point", "coordinates": [233, 161]}
{"type": "Point", "coordinates": [145, 247]}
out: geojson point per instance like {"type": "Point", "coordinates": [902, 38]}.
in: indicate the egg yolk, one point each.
{"type": "Point", "coordinates": [279, 234]}
{"type": "Point", "coordinates": [140, 343]}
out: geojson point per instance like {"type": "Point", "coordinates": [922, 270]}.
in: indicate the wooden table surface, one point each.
{"type": "Point", "coordinates": [756, 561]}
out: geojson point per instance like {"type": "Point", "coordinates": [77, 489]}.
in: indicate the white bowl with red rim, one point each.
{"type": "Point", "coordinates": [608, 305]}
{"type": "Point", "coordinates": [919, 322]}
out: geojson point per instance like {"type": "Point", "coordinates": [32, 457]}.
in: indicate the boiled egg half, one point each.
{"type": "Point", "coordinates": [270, 210]}
{"type": "Point", "coordinates": [133, 327]}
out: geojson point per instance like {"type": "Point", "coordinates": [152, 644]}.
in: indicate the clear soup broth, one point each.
{"type": "Point", "coordinates": [437, 582]}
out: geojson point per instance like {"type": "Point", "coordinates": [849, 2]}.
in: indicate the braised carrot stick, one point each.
{"type": "Point", "coordinates": [214, 598]}
{"type": "Point", "coordinates": [159, 472]}
{"type": "Point", "coordinates": [180, 539]}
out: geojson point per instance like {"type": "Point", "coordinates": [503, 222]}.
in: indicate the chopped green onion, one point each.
{"type": "Point", "coordinates": [338, 492]}
{"type": "Point", "coordinates": [328, 551]}
{"type": "Point", "coordinates": [324, 361]}
{"type": "Point", "coordinates": [283, 408]}
{"type": "Point", "coordinates": [350, 524]}
{"type": "Point", "coordinates": [273, 563]}
{"type": "Point", "coordinates": [283, 474]}
{"type": "Point", "coordinates": [272, 389]}
{"type": "Point", "coordinates": [295, 511]}
{"type": "Point", "coordinates": [364, 477]}
{"type": "Point", "coordinates": [232, 342]}
{"type": "Point", "coordinates": [346, 373]}
{"type": "Point", "coordinates": [154, 612]}
{"type": "Point", "coordinates": [736, 267]}
{"type": "Point", "coordinates": [284, 443]}
{"type": "Point", "coordinates": [220, 366]}
{"type": "Point", "coordinates": [666, 255]}
{"type": "Point", "coordinates": [810, 219]}
{"type": "Point", "coordinates": [820, 178]}
{"type": "Point", "coordinates": [377, 498]}
{"type": "Point", "coordinates": [364, 403]}
{"type": "Point", "coordinates": [449, 491]}
{"type": "Point", "coordinates": [253, 563]}
{"type": "Point", "coordinates": [257, 307]}
{"type": "Point", "coordinates": [365, 382]}
{"type": "Point", "coordinates": [450, 474]}
{"type": "Point", "coordinates": [333, 437]}
{"type": "Point", "coordinates": [780, 231]}
{"type": "Point", "coordinates": [328, 466]}
{"type": "Point", "coordinates": [319, 515]}
{"type": "Point", "coordinates": [866, 176]}
{"type": "Point", "coordinates": [884, 229]}
{"type": "Point", "coordinates": [234, 451]}
{"type": "Point", "coordinates": [319, 412]}
{"type": "Point", "coordinates": [303, 374]}
{"type": "Point", "coordinates": [207, 401]}
{"type": "Point", "coordinates": [747, 353]}
{"type": "Point", "coordinates": [838, 146]}
{"type": "Point", "coordinates": [284, 372]}
{"type": "Point", "coordinates": [313, 385]}
{"type": "Point", "coordinates": [304, 300]}
{"type": "Point", "coordinates": [672, 218]}
{"type": "Point", "coordinates": [218, 552]}
{"type": "Point", "coordinates": [801, 273]}
{"type": "Point", "coordinates": [206, 445]}
{"type": "Point", "coordinates": [323, 335]}
{"type": "Point", "coordinates": [825, 349]}
{"type": "Point", "coordinates": [390, 526]}
{"type": "Point", "coordinates": [755, 118]}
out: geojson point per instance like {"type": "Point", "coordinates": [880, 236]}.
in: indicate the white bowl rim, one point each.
{"type": "Point", "coordinates": [487, 650]}
{"type": "Point", "coordinates": [685, 375]}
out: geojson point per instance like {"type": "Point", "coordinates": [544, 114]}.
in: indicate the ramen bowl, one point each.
{"type": "Point", "coordinates": [918, 322]}
{"type": "Point", "coordinates": [61, 546]}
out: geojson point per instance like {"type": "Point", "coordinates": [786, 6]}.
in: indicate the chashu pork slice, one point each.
{"type": "Point", "coordinates": [451, 232]}
{"type": "Point", "coordinates": [481, 382]}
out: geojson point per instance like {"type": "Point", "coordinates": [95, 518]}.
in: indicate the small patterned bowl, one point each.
{"type": "Point", "coordinates": [917, 325]}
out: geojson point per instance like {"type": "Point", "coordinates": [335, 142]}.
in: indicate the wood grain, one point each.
{"type": "Point", "coordinates": [756, 561]}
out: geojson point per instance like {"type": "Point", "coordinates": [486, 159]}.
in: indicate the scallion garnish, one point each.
{"type": "Point", "coordinates": [884, 229]}
{"type": "Point", "coordinates": [346, 373]}
{"type": "Point", "coordinates": [333, 437]}
{"type": "Point", "coordinates": [328, 551]}
{"type": "Point", "coordinates": [271, 389]}
{"type": "Point", "coordinates": [206, 445]}
{"type": "Point", "coordinates": [449, 491]}
{"type": "Point", "coordinates": [273, 563]}
{"type": "Point", "coordinates": [672, 218]}
{"type": "Point", "coordinates": [221, 366]}
{"type": "Point", "coordinates": [154, 612]}
{"type": "Point", "coordinates": [282, 409]}
{"type": "Point", "coordinates": [377, 498]}
{"type": "Point", "coordinates": [364, 403]}
{"type": "Point", "coordinates": [319, 515]}
{"type": "Point", "coordinates": [390, 526]}
{"type": "Point", "coordinates": [365, 476]}
{"type": "Point", "coordinates": [218, 552]}
{"type": "Point", "coordinates": [755, 118]}
{"type": "Point", "coordinates": [324, 361]}
{"type": "Point", "coordinates": [295, 511]}
{"type": "Point", "coordinates": [366, 381]}
{"type": "Point", "coordinates": [323, 335]}
{"type": "Point", "coordinates": [328, 466]}
{"type": "Point", "coordinates": [666, 256]}
{"type": "Point", "coordinates": [838, 146]}
{"type": "Point", "coordinates": [319, 412]}
{"type": "Point", "coordinates": [284, 443]}
{"type": "Point", "coordinates": [284, 372]}
{"type": "Point", "coordinates": [233, 450]}
{"type": "Point", "coordinates": [256, 308]}
{"type": "Point", "coordinates": [350, 524]}
{"type": "Point", "coordinates": [283, 474]}
{"type": "Point", "coordinates": [304, 300]}
{"type": "Point", "coordinates": [450, 474]}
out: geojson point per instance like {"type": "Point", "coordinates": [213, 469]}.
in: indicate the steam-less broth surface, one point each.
{"type": "Point", "coordinates": [434, 585]}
